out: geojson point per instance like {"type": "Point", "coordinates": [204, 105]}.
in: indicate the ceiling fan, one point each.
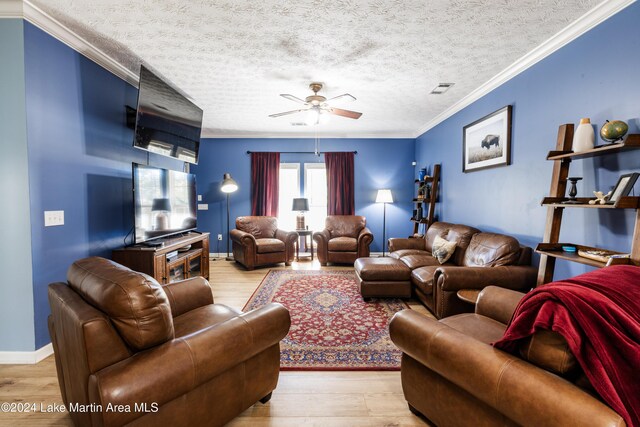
{"type": "Point", "coordinates": [317, 105]}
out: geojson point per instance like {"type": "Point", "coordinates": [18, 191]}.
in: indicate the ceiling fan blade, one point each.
{"type": "Point", "coordinates": [287, 113]}
{"type": "Point", "coordinates": [345, 113]}
{"type": "Point", "coordinates": [343, 97]}
{"type": "Point", "coordinates": [293, 98]}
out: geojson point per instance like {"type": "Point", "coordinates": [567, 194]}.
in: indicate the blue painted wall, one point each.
{"type": "Point", "coordinates": [380, 163]}
{"type": "Point", "coordinates": [595, 76]}
{"type": "Point", "coordinates": [80, 154]}
{"type": "Point", "coordinates": [16, 292]}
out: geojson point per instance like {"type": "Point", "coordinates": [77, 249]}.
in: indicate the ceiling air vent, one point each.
{"type": "Point", "coordinates": [298, 124]}
{"type": "Point", "coordinates": [441, 88]}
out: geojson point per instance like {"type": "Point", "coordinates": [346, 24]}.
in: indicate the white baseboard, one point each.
{"type": "Point", "coordinates": [25, 357]}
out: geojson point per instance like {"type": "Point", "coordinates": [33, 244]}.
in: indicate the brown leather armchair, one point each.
{"type": "Point", "coordinates": [257, 241]}
{"type": "Point", "coordinates": [454, 377]}
{"type": "Point", "coordinates": [345, 238]}
{"type": "Point", "coordinates": [168, 354]}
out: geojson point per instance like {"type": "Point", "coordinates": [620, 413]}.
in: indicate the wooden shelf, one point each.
{"type": "Point", "coordinates": [420, 201]}
{"type": "Point", "coordinates": [420, 221]}
{"type": "Point", "coordinates": [426, 205]}
{"type": "Point", "coordinates": [426, 179]}
{"type": "Point", "coordinates": [555, 250]}
{"type": "Point", "coordinates": [630, 142]}
{"type": "Point", "coordinates": [623, 203]}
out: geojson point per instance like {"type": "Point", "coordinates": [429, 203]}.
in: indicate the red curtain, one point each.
{"type": "Point", "coordinates": [265, 175]}
{"type": "Point", "coordinates": [340, 187]}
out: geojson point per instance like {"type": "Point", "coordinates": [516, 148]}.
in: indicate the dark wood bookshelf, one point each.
{"type": "Point", "coordinates": [555, 250]}
{"type": "Point", "coordinates": [428, 205]}
{"type": "Point", "coordinates": [630, 142]}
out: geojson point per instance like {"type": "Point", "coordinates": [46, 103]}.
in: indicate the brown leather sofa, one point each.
{"type": "Point", "coordinates": [257, 241]}
{"type": "Point", "coordinates": [454, 377]}
{"type": "Point", "coordinates": [344, 239]}
{"type": "Point", "coordinates": [168, 354]}
{"type": "Point", "coordinates": [480, 259]}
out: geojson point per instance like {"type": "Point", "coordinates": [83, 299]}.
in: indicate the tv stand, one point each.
{"type": "Point", "coordinates": [154, 262]}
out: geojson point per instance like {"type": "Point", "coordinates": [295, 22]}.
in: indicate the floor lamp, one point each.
{"type": "Point", "coordinates": [384, 196]}
{"type": "Point", "coordinates": [228, 186]}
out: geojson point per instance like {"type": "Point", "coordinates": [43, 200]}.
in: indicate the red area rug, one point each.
{"type": "Point", "coordinates": [332, 328]}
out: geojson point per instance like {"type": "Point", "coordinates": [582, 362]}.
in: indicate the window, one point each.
{"type": "Point", "coordinates": [315, 189]}
{"type": "Point", "coordinates": [289, 189]}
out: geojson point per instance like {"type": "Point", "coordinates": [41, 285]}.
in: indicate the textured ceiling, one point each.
{"type": "Point", "coordinates": [234, 58]}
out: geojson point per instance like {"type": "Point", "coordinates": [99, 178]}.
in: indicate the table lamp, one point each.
{"type": "Point", "coordinates": [301, 205]}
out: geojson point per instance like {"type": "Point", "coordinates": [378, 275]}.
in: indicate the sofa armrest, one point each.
{"type": "Point", "coordinates": [395, 244]}
{"type": "Point", "coordinates": [187, 295]}
{"type": "Point", "coordinates": [365, 238]}
{"type": "Point", "coordinates": [498, 303]}
{"type": "Point", "coordinates": [168, 371]}
{"type": "Point", "coordinates": [523, 392]}
{"type": "Point", "coordinates": [242, 237]}
{"type": "Point", "coordinates": [453, 278]}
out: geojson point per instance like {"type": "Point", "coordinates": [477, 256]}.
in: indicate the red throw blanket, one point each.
{"type": "Point", "coordinates": [598, 313]}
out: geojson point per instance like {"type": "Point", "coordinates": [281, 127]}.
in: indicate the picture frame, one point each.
{"type": "Point", "coordinates": [623, 186]}
{"type": "Point", "coordinates": [486, 143]}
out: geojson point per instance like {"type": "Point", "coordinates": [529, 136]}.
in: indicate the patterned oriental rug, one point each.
{"type": "Point", "coordinates": [332, 328]}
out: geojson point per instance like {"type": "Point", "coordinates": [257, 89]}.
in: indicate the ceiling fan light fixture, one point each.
{"type": "Point", "coordinates": [441, 88]}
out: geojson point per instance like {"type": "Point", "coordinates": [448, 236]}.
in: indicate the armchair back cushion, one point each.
{"type": "Point", "coordinates": [491, 250]}
{"type": "Point", "coordinates": [345, 225]}
{"type": "Point", "coordinates": [261, 227]}
{"type": "Point", "coordinates": [134, 302]}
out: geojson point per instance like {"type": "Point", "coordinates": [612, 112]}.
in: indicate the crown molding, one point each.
{"type": "Point", "coordinates": [586, 22]}
{"type": "Point", "coordinates": [55, 28]}
{"type": "Point", "coordinates": [308, 135]}
{"type": "Point", "coordinates": [25, 357]}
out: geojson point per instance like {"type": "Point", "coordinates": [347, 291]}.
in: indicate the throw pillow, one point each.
{"type": "Point", "coordinates": [443, 249]}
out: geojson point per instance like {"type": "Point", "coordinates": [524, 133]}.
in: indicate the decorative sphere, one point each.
{"type": "Point", "coordinates": [613, 130]}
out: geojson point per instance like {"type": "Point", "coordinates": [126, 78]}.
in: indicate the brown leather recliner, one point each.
{"type": "Point", "coordinates": [454, 377]}
{"type": "Point", "coordinates": [345, 238]}
{"type": "Point", "coordinates": [257, 241]}
{"type": "Point", "coordinates": [480, 259]}
{"type": "Point", "coordinates": [168, 354]}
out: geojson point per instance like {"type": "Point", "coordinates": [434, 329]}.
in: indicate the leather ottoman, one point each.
{"type": "Point", "coordinates": [383, 277]}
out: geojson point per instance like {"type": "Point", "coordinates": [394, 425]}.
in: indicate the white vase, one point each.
{"type": "Point", "coordinates": [584, 139]}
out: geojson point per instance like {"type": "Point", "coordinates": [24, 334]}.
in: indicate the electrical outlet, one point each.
{"type": "Point", "coordinates": [219, 236]}
{"type": "Point", "coordinates": [203, 207]}
{"type": "Point", "coordinates": [52, 218]}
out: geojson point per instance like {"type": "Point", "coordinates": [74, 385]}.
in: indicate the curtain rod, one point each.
{"type": "Point", "coordinates": [301, 152]}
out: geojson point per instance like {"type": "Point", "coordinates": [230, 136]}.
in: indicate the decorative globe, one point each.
{"type": "Point", "coordinates": [613, 130]}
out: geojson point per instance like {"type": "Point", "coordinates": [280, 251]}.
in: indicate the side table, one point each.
{"type": "Point", "coordinates": [304, 233]}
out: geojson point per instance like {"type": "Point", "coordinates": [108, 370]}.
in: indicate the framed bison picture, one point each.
{"type": "Point", "coordinates": [486, 143]}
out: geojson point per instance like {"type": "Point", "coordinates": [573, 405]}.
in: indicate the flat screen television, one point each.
{"type": "Point", "coordinates": [167, 122]}
{"type": "Point", "coordinates": [164, 202]}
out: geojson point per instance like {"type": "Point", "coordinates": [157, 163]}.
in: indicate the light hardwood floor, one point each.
{"type": "Point", "coordinates": [337, 399]}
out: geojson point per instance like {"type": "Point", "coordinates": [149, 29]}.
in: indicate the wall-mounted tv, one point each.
{"type": "Point", "coordinates": [167, 122]}
{"type": "Point", "coordinates": [164, 202]}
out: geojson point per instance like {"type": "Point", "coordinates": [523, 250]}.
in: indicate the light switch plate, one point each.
{"type": "Point", "coordinates": [53, 218]}
{"type": "Point", "coordinates": [203, 207]}
{"type": "Point", "coordinates": [199, 197]}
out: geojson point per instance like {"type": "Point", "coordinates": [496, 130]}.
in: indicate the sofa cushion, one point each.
{"type": "Point", "coordinates": [404, 252]}
{"type": "Point", "coordinates": [482, 328]}
{"type": "Point", "coordinates": [136, 304]}
{"type": "Point", "coordinates": [436, 229]}
{"type": "Point", "coordinates": [491, 250]}
{"type": "Point", "coordinates": [443, 249]}
{"type": "Point", "coordinates": [461, 234]}
{"type": "Point", "coordinates": [201, 318]}
{"type": "Point", "coordinates": [261, 227]}
{"type": "Point", "coordinates": [417, 261]}
{"type": "Point", "coordinates": [266, 246]}
{"type": "Point", "coordinates": [549, 350]}
{"type": "Point", "coordinates": [343, 244]}
{"type": "Point", "coordinates": [345, 225]}
{"type": "Point", "coordinates": [423, 278]}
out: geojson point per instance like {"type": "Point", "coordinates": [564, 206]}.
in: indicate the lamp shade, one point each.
{"type": "Point", "coordinates": [161, 205]}
{"type": "Point", "coordinates": [384, 196]}
{"type": "Point", "coordinates": [300, 204]}
{"type": "Point", "coordinates": [229, 185]}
